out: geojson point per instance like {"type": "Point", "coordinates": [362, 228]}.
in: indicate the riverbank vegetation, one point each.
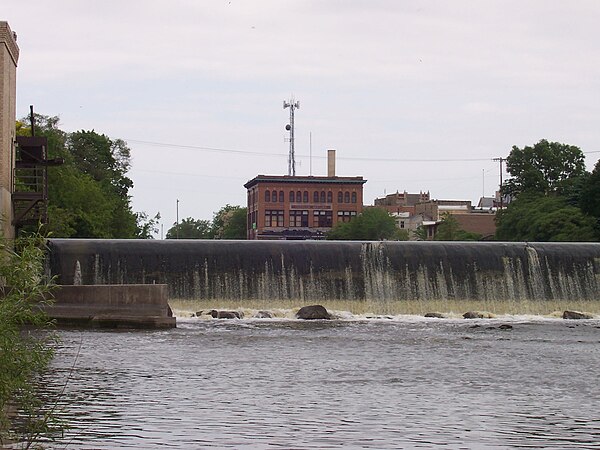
{"type": "Point", "coordinates": [26, 342]}
{"type": "Point", "coordinates": [228, 223]}
{"type": "Point", "coordinates": [89, 194]}
{"type": "Point", "coordinates": [553, 197]}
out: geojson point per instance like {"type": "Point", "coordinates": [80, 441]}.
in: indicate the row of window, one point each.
{"type": "Point", "coordinates": [321, 219]}
{"type": "Point", "coordinates": [302, 197]}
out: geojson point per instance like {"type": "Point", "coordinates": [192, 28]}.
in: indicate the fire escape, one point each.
{"type": "Point", "coordinates": [30, 180]}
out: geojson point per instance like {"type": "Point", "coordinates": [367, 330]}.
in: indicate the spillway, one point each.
{"type": "Point", "coordinates": [310, 271]}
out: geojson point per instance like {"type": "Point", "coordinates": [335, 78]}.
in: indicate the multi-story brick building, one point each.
{"type": "Point", "coordinates": [301, 207]}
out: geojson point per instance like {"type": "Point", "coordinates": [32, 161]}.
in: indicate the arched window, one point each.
{"type": "Point", "coordinates": [298, 196]}
{"type": "Point", "coordinates": [354, 197]}
{"type": "Point", "coordinates": [267, 196]}
{"type": "Point", "coordinates": [329, 197]}
{"type": "Point", "coordinates": [322, 196]}
{"type": "Point", "coordinates": [346, 197]}
{"type": "Point", "coordinates": [292, 197]}
{"type": "Point", "coordinates": [274, 196]}
{"type": "Point", "coordinates": [281, 197]}
{"type": "Point", "coordinates": [305, 197]}
{"type": "Point", "coordinates": [315, 197]}
{"type": "Point", "coordinates": [340, 197]}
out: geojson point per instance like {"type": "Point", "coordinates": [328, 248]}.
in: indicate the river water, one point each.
{"type": "Point", "coordinates": [383, 383]}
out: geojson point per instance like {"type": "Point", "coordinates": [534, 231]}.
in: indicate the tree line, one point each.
{"type": "Point", "coordinates": [550, 197]}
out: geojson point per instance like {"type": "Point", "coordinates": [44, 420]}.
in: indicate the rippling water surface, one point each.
{"type": "Point", "coordinates": [401, 383]}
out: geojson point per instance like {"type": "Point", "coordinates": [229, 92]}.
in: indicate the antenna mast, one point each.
{"type": "Point", "coordinates": [293, 105]}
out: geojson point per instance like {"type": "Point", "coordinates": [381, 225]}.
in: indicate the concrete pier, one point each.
{"type": "Point", "coordinates": [112, 306]}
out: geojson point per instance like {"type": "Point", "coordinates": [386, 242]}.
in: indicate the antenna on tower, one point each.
{"type": "Point", "coordinates": [293, 105]}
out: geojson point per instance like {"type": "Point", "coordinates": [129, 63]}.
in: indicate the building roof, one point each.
{"type": "Point", "coordinates": [305, 180]}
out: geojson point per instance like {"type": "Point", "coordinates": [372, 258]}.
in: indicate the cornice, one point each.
{"type": "Point", "coordinates": [7, 38]}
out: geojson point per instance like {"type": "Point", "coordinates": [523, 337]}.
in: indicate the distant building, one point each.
{"type": "Point", "coordinates": [301, 207]}
{"type": "Point", "coordinates": [480, 220]}
{"type": "Point", "coordinates": [401, 202]}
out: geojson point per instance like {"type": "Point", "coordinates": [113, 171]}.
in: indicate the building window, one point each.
{"type": "Point", "coordinates": [274, 196]}
{"type": "Point", "coordinates": [323, 219]}
{"type": "Point", "coordinates": [340, 197]}
{"type": "Point", "coordinates": [305, 197]}
{"type": "Point", "coordinates": [346, 197]}
{"type": "Point", "coordinates": [354, 197]}
{"type": "Point", "coordinates": [402, 224]}
{"type": "Point", "coordinates": [346, 216]}
{"type": "Point", "coordinates": [281, 197]}
{"type": "Point", "coordinates": [298, 219]}
{"type": "Point", "coordinates": [292, 196]}
{"type": "Point", "coordinates": [273, 218]}
{"type": "Point", "coordinates": [267, 196]}
{"type": "Point", "coordinates": [322, 196]}
{"type": "Point", "coordinates": [329, 197]}
{"type": "Point", "coordinates": [299, 196]}
{"type": "Point", "coordinates": [315, 197]}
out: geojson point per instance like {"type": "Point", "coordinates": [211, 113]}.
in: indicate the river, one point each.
{"type": "Point", "coordinates": [399, 382]}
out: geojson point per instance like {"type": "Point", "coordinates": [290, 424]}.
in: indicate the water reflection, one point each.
{"type": "Point", "coordinates": [339, 384]}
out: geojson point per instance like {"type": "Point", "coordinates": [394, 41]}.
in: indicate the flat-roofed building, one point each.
{"type": "Point", "coordinates": [301, 207]}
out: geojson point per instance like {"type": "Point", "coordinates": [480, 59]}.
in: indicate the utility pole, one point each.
{"type": "Point", "coordinates": [500, 160]}
{"type": "Point", "coordinates": [177, 221]}
{"type": "Point", "coordinates": [293, 105]}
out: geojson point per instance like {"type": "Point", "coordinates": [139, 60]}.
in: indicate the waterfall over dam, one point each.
{"type": "Point", "coordinates": [315, 271]}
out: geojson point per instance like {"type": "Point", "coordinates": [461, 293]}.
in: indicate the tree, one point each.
{"type": "Point", "coordinates": [449, 230]}
{"type": "Point", "coordinates": [373, 224]}
{"type": "Point", "coordinates": [89, 193]}
{"type": "Point", "coordinates": [534, 217]}
{"type": "Point", "coordinates": [547, 167]}
{"type": "Point", "coordinates": [230, 222]}
{"type": "Point", "coordinates": [191, 229]}
{"type": "Point", "coordinates": [589, 200]}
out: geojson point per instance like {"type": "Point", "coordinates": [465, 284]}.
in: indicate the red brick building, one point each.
{"type": "Point", "coordinates": [301, 207]}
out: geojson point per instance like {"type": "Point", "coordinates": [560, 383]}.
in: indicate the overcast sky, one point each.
{"type": "Point", "coordinates": [413, 95]}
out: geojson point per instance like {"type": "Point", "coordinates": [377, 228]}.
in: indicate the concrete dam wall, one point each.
{"type": "Point", "coordinates": [328, 270]}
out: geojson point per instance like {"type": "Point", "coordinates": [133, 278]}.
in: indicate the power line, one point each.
{"type": "Point", "coordinates": [348, 158]}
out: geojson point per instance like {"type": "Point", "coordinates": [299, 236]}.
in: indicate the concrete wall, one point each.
{"type": "Point", "coordinates": [9, 56]}
{"type": "Point", "coordinates": [114, 306]}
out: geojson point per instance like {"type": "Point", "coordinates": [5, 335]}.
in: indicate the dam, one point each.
{"type": "Point", "coordinates": [388, 276]}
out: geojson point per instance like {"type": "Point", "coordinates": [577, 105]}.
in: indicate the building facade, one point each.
{"type": "Point", "coordinates": [9, 56]}
{"type": "Point", "coordinates": [302, 207]}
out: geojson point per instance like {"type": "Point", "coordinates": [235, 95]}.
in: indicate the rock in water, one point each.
{"type": "Point", "coordinates": [225, 314]}
{"type": "Point", "coordinates": [576, 315]}
{"type": "Point", "coordinates": [313, 312]}
{"type": "Point", "coordinates": [436, 315]}
{"type": "Point", "coordinates": [263, 315]}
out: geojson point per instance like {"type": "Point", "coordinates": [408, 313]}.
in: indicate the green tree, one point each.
{"type": "Point", "coordinates": [89, 193]}
{"type": "Point", "coordinates": [191, 229]}
{"type": "Point", "coordinates": [547, 167]}
{"type": "Point", "coordinates": [373, 224]}
{"type": "Point", "coordinates": [230, 223]}
{"type": "Point", "coordinates": [449, 230]}
{"type": "Point", "coordinates": [589, 200]}
{"type": "Point", "coordinates": [535, 217]}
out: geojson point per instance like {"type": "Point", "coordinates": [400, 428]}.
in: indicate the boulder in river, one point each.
{"type": "Point", "coordinates": [576, 315]}
{"type": "Point", "coordinates": [219, 314]}
{"type": "Point", "coordinates": [436, 315]}
{"type": "Point", "coordinates": [313, 312]}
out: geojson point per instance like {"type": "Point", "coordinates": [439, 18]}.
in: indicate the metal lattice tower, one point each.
{"type": "Point", "coordinates": [293, 105]}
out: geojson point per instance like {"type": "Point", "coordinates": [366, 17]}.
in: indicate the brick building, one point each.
{"type": "Point", "coordinates": [401, 202]}
{"type": "Point", "coordinates": [301, 207]}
